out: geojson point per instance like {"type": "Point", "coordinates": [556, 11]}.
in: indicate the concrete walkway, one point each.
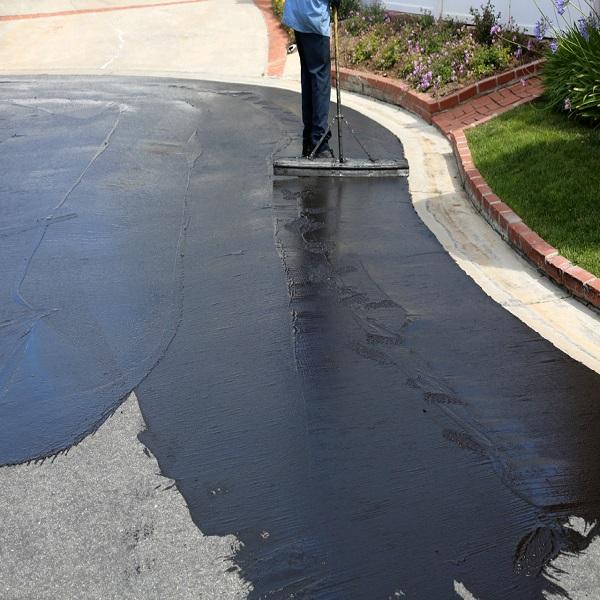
{"type": "Point", "coordinates": [193, 37]}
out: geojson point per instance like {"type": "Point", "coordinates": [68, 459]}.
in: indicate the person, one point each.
{"type": "Point", "coordinates": [311, 23]}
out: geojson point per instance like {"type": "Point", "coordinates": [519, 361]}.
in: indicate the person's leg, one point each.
{"type": "Point", "coordinates": [318, 65]}
{"type": "Point", "coordinates": [307, 95]}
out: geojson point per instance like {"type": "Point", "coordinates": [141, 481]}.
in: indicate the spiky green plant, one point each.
{"type": "Point", "coordinates": [572, 72]}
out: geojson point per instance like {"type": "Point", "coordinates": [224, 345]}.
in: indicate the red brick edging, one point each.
{"type": "Point", "coordinates": [100, 9]}
{"type": "Point", "coordinates": [278, 40]}
{"type": "Point", "coordinates": [509, 225]}
{"type": "Point", "coordinates": [472, 106]}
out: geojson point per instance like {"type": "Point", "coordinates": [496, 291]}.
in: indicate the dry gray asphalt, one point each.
{"type": "Point", "coordinates": [101, 522]}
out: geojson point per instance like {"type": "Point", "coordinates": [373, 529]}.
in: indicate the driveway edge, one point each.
{"type": "Point", "coordinates": [452, 122]}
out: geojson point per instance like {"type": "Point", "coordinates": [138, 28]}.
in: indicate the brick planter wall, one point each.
{"type": "Point", "coordinates": [399, 93]}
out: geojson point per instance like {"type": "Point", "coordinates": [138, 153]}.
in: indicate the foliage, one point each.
{"type": "Point", "coordinates": [489, 59]}
{"type": "Point", "coordinates": [355, 24]}
{"type": "Point", "coordinates": [278, 7]}
{"type": "Point", "coordinates": [373, 12]}
{"type": "Point", "coordinates": [484, 21]}
{"type": "Point", "coordinates": [363, 16]}
{"type": "Point", "coordinates": [390, 55]}
{"type": "Point", "coordinates": [347, 7]}
{"type": "Point", "coordinates": [435, 56]}
{"type": "Point", "coordinates": [366, 48]}
{"type": "Point", "coordinates": [572, 71]}
{"type": "Point", "coordinates": [426, 19]}
{"type": "Point", "coordinates": [572, 75]}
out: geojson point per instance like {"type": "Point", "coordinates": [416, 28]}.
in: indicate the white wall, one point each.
{"type": "Point", "coordinates": [525, 12]}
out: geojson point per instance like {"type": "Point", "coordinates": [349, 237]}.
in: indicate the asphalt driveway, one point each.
{"type": "Point", "coordinates": [315, 373]}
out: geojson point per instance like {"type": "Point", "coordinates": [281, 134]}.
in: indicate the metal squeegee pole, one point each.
{"type": "Point", "coordinates": [339, 115]}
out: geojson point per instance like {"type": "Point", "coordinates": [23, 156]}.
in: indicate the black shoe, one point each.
{"type": "Point", "coordinates": [325, 152]}
{"type": "Point", "coordinates": [307, 149]}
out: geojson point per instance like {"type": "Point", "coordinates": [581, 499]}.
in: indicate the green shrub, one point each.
{"type": "Point", "coordinates": [374, 12]}
{"type": "Point", "coordinates": [426, 19]}
{"type": "Point", "coordinates": [443, 71]}
{"type": "Point", "coordinates": [483, 22]}
{"type": "Point", "coordinates": [356, 25]}
{"type": "Point", "coordinates": [348, 7]}
{"type": "Point", "coordinates": [435, 56]}
{"type": "Point", "coordinates": [366, 48]}
{"type": "Point", "coordinates": [488, 59]}
{"type": "Point", "coordinates": [572, 73]}
{"type": "Point", "coordinates": [390, 55]}
{"type": "Point", "coordinates": [433, 44]}
{"type": "Point", "coordinates": [278, 7]}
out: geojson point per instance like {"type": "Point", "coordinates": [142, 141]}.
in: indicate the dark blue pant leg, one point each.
{"type": "Point", "coordinates": [316, 84]}
{"type": "Point", "coordinates": [307, 105]}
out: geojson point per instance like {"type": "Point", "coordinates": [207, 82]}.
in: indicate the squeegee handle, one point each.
{"type": "Point", "coordinates": [339, 115]}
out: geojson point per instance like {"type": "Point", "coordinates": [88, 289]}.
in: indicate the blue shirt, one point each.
{"type": "Point", "coordinates": [308, 16]}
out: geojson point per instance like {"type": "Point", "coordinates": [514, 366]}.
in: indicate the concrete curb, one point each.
{"type": "Point", "coordinates": [580, 283]}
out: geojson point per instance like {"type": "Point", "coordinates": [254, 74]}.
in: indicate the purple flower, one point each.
{"type": "Point", "coordinates": [568, 105]}
{"type": "Point", "coordinates": [496, 30]}
{"type": "Point", "coordinates": [583, 29]}
{"type": "Point", "coordinates": [529, 46]}
{"type": "Point", "coordinates": [539, 30]}
{"type": "Point", "coordinates": [519, 52]}
{"type": "Point", "coordinates": [560, 6]}
{"type": "Point", "coordinates": [554, 46]}
{"type": "Point", "coordinates": [541, 27]}
{"type": "Point", "coordinates": [426, 81]}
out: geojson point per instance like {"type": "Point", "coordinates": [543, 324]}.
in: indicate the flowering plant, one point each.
{"type": "Point", "coordinates": [433, 55]}
{"type": "Point", "coordinates": [572, 71]}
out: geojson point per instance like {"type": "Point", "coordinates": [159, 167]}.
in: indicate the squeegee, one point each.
{"type": "Point", "coordinates": [340, 166]}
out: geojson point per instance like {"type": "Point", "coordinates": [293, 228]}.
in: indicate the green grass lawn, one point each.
{"type": "Point", "coordinates": [547, 169]}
